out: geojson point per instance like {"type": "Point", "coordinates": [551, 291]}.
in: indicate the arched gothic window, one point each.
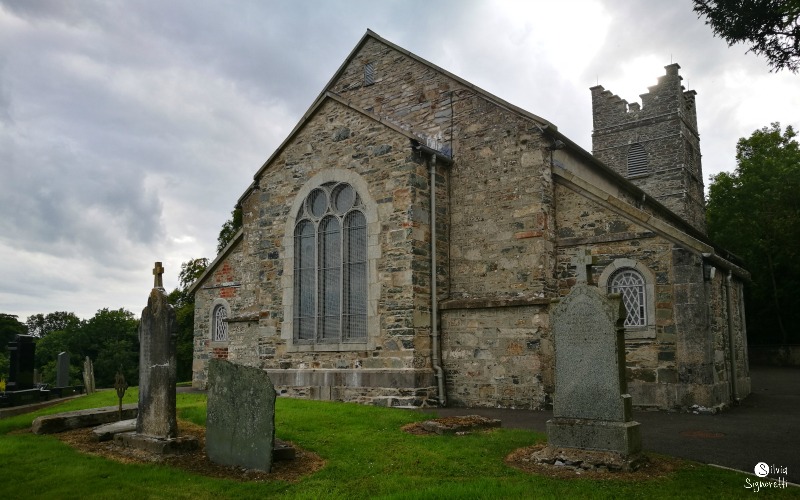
{"type": "Point", "coordinates": [631, 285]}
{"type": "Point", "coordinates": [330, 266]}
{"type": "Point", "coordinates": [220, 325]}
{"type": "Point", "coordinates": [637, 161]}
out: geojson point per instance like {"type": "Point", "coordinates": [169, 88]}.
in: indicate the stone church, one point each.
{"type": "Point", "coordinates": [404, 244]}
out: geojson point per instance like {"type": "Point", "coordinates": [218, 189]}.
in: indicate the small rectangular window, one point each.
{"type": "Point", "coordinates": [369, 74]}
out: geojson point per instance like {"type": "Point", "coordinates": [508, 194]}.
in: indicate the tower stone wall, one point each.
{"type": "Point", "coordinates": [665, 127]}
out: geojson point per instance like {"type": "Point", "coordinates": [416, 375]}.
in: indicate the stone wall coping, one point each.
{"type": "Point", "coordinates": [489, 303]}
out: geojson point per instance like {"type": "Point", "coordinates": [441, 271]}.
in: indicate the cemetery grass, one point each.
{"type": "Point", "coordinates": [366, 454]}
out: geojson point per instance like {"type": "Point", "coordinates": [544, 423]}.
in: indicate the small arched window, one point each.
{"type": "Point", "coordinates": [631, 285]}
{"type": "Point", "coordinates": [637, 161]}
{"type": "Point", "coordinates": [330, 266]}
{"type": "Point", "coordinates": [220, 323]}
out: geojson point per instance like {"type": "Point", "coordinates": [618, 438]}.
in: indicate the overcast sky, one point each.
{"type": "Point", "coordinates": [128, 130]}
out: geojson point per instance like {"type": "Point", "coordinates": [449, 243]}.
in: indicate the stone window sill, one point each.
{"type": "Point", "coordinates": [332, 347]}
{"type": "Point", "coordinates": [640, 333]}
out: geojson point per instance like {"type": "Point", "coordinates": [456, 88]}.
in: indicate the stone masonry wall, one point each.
{"type": "Point", "coordinates": [339, 139]}
{"type": "Point", "coordinates": [225, 282]}
{"type": "Point", "coordinates": [666, 126]}
{"type": "Point", "coordinates": [496, 242]}
{"type": "Point", "coordinates": [649, 352]}
{"type": "Point", "coordinates": [498, 357]}
{"type": "Point", "coordinates": [684, 359]}
{"type": "Point", "coordinates": [500, 232]}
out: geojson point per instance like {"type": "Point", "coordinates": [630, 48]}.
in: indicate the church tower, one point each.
{"type": "Point", "coordinates": [656, 146]}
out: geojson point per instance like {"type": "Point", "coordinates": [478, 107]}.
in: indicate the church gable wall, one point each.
{"type": "Point", "coordinates": [345, 145]}
{"type": "Point", "coordinates": [501, 186]}
{"type": "Point", "coordinates": [498, 247]}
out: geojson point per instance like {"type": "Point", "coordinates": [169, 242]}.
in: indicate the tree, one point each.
{"type": "Point", "coordinates": [111, 339]}
{"type": "Point", "coordinates": [10, 327]}
{"type": "Point", "coordinates": [755, 213]}
{"type": "Point", "coordinates": [772, 27]}
{"type": "Point", "coordinates": [229, 229]}
{"type": "Point", "coordinates": [40, 325]}
{"type": "Point", "coordinates": [183, 302]}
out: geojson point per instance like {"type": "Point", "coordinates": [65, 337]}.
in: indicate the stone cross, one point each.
{"type": "Point", "coordinates": [121, 386]}
{"type": "Point", "coordinates": [158, 270]}
{"type": "Point", "coordinates": [583, 263]}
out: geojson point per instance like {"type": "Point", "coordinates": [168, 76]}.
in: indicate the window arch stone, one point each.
{"type": "Point", "coordinates": [643, 325]}
{"type": "Point", "coordinates": [333, 206]}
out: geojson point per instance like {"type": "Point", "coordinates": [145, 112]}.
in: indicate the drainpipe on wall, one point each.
{"type": "Point", "coordinates": [435, 356]}
{"type": "Point", "coordinates": [731, 343]}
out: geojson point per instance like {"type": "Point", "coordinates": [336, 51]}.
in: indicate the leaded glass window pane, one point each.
{"type": "Point", "coordinates": [630, 284]}
{"type": "Point", "coordinates": [355, 283]}
{"type": "Point", "coordinates": [330, 272]}
{"type": "Point", "coordinates": [305, 280]}
{"type": "Point", "coordinates": [220, 325]}
{"type": "Point", "coordinates": [330, 266]}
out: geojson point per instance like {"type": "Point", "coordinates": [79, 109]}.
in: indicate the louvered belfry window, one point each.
{"type": "Point", "coordinates": [220, 323]}
{"type": "Point", "coordinates": [630, 284]}
{"type": "Point", "coordinates": [330, 267]}
{"type": "Point", "coordinates": [637, 161]}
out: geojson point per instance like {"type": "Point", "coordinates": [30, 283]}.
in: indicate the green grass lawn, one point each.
{"type": "Point", "coordinates": [367, 456]}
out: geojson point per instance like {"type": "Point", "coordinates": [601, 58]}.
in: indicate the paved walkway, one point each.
{"type": "Point", "coordinates": [765, 427]}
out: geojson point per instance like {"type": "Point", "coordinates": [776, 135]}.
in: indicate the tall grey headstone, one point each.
{"type": "Point", "coordinates": [591, 407]}
{"type": "Point", "coordinates": [240, 423]}
{"type": "Point", "coordinates": [157, 375]}
{"type": "Point", "coordinates": [88, 376]}
{"type": "Point", "coordinates": [156, 422]}
{"type": "Point", "coordinates": [62, 370]}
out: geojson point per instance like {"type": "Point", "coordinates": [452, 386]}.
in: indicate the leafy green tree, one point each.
{"type": "Point", "coordinates": [183, 302]}
{"type": "Point", "coordinates": [111, 339]}
{"type": "Point", "coordinates": [47, 350]}
{"type": "Point", "coordinates": [771, 27]}
{"type": "Point", "coordinates": [229, 229]}
{"type": "Point", "coordinates": [755, 213]}
{"type": "Point", "coordinates": [40, 325]}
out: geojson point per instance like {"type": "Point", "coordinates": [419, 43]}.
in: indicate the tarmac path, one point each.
{"type": "Point", "coordinates": [765, 427]}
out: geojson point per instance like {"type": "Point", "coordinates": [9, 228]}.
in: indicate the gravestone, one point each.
{"type": "Point", "coordinates": [156, 422]}
{"type": "Point", "coordinates": [591, 408]}
{"type": "Point", "coordinates": [157, 376]}
{"type": "Point", "coordinates": [22, 353]}
{"type": "Point", "coordinates": [88, 376]}
{"type": "Point", "coordinates": [240, 421]}
{"type": "Point", "coordinates": [62, 370]}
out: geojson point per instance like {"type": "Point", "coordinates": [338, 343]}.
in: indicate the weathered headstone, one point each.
{"type": "Point", "coordinates": [156, 423]}
{"type": "Point", "coordinates": [88, 376]}
{"type": "Point", "coordinates": [591, 407]}
{"type": "Point", "coordinates": [240, 422]}
{"type": "Point", "coordinates": [22, 353]}
{"type": "Point", "coordinates": [157, 376]}
{"type": "Point", "coordinates": [62, 370]}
